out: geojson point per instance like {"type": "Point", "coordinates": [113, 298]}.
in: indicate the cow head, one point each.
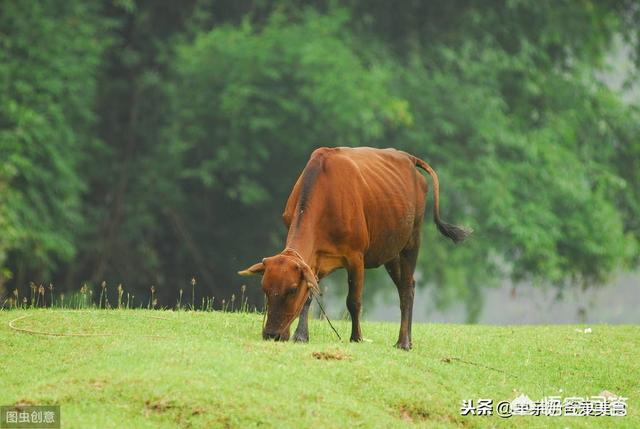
{"type": "Point", "coordinates": [287, 281]}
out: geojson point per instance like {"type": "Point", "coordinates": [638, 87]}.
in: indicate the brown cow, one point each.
{"type": "Point", "coordinates": [351, 208]}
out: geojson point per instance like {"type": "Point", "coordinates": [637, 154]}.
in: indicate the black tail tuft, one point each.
{"type": "Point", "coordinates": [454, 232]}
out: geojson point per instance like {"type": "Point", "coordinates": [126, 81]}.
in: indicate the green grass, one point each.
{"type": "Point", "coordinates": [166, 369]}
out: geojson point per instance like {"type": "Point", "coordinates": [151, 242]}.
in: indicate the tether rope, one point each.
{"type": "Point", "coordinates": [72, 334]}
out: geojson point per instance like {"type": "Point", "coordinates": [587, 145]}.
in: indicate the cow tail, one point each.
{"type": "Point", "coordinates": [454, 232]}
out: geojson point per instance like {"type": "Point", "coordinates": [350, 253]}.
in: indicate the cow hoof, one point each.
{"type": "Point", "coordinates": [356, 339]}
{"type": "Point", "coordinates": [300, 338]}
{"type": "Point", "coordinates": [403, 346]}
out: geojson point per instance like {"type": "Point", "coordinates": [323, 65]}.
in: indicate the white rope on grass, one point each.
{"type": "Point", "coordinates": [71, 334]}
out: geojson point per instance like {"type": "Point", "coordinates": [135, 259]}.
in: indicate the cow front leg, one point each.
{"type": "Point", "coordinates": [354, 298]}
{"type": "Point", "coordinates": [302, 331]}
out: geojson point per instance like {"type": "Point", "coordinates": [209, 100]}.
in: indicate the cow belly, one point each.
{"type": "Point", "coordinates": [393, 209]}
{"type": "Point", "coordinates": [389, 235]}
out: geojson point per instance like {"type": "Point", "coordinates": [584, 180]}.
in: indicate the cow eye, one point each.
{"type": "Point", "coordinates": [292, 289]}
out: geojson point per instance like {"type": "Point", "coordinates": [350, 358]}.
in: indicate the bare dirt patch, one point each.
{"type": "Point", "coordinates": [19, 405]}
{"type": "Point", "coordinates": [413, 412]}
{"type": "Point", "coordinates": [331, 355]}
{"type": "Point", "coordinates": [159, 405]}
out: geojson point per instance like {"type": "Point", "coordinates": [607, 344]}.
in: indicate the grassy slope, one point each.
{"type": "Point", "coordinates": [213, 370]}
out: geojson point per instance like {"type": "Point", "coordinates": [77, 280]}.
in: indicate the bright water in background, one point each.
{"type": "Point", "coordinates": [616, 303]}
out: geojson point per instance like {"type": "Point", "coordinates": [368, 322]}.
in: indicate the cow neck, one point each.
{"type": "Point", "coordinates": [301, 240]}
{"type": "Point", "coordinates": [293, 252]}
{"type": "Point", "coordinates": [307, 216]}
{"type": "Point", "coordinates": [306, 254]}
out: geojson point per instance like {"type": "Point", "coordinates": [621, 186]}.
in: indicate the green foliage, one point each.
{"type": "Point", "coordinates": [248, 96]}
{"type": "Point", "coordinates": [49, 57]}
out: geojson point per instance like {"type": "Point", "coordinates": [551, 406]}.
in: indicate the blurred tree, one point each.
{"type": "Point", "coordinates": [130, 240]}
{"type": "Point", "coordinates": [49, 56]}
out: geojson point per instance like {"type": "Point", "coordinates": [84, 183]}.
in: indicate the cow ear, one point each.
{"type": "Point", "coordinates": [253, 270]}
{"type": "Point", "coordinates": [311, 279]}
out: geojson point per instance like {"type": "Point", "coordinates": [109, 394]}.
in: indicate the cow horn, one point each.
{"type": "Point", "coordinates": [253, 270]}
{"type": "Point", "coordinates": [309, 276]}
{"type": "Point", "coordinates": [311, 279]}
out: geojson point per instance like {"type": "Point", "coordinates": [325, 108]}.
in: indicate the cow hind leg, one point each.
{"type": "Point", "coordinates": [354, 298]}
{"type": "Point", "coordinates": [401, 272]}
{"type": "Point", "coordinates": [302, 331]}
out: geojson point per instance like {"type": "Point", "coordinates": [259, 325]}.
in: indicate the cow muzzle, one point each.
{"type": "Point", "coordinates": [276, 336]}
